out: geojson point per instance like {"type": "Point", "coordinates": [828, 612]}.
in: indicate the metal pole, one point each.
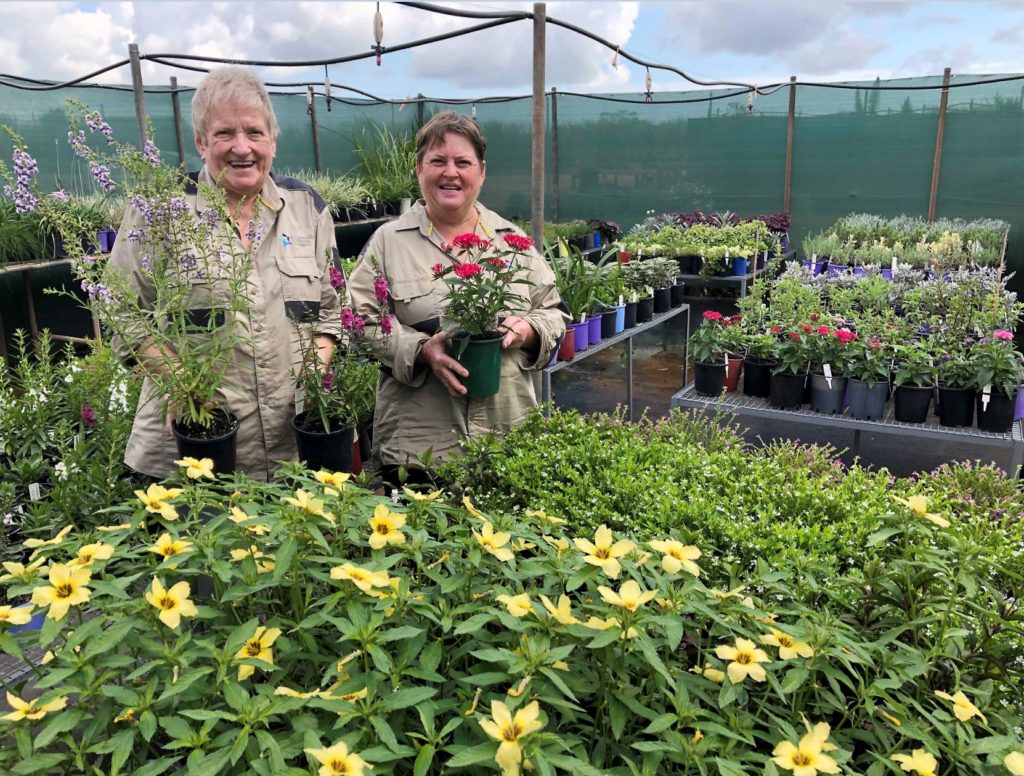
{"type": "Point", "coordinates": [176, 107]}
{"type": "Point", "coordinates": [311, 98]}
{"type": "Point", "coordinates": [419, 111]}
{"type": "Point", "coordinates": [140, 96]}
{"type": "Point", "coordinates": [788, 190]}
{"type": "Point", "coordinates": [537, 168]}
{"type": "Point", "coordinates": [940, 133]}
{"type": "Point", "coordinates": [554, 153]}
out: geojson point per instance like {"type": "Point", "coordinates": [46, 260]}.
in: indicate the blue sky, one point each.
{"type": "Point", "coordinates": [751, 42]}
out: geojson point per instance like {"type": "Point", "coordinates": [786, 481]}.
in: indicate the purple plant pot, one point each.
{"type": "Point", "coordinates": [887, 274]}
{"type": "Point", "coordinates": [582, 335]}
{"type": "Point", "coordinates": [594, 322]}
{"type": "Point", "coordinates": [1018, 412]}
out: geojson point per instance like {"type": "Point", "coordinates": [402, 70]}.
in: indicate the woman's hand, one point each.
{"type": "Point", "coordinates": [518, 333]}
{"type": "Point", "coordinates": [445, 368]}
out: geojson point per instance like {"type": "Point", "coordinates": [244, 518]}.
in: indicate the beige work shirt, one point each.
{"type": "Point", "coordinates": [290, 300]}
{"type": "Point", "coordinates": [414, 413]}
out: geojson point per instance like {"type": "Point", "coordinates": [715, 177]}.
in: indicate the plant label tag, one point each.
{"type": "Point", "coordinates": [74, 441]}
{"type": "Point", "coordinates": [725, 358]}
{"type": "Point", "coordinates": [34, 491]}
{"type": "Point", "coordinates": [986, 395]}
{"type": "Point", "coordinates": [893, 263]}
{"type": "Point", "coordinates": [620, 300]}
{"type": "Point", "coordinates": [827, 369]}
{"type": "Point", "coordinates": [633, 300]}
{"type": "Point", "coordinates": [766, 254]}
{"type": "Point", "coordinates": [814, 257]}
{"type": "Point", "coordinates": [583, 317]}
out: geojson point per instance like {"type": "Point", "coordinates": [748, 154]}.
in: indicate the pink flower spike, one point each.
{"type": "Point", "coordinates": [386, 325]}
{"type": "Point", "coordinates": [1002, 334]}
{"type": "Point", "coordinates": [380, 289]}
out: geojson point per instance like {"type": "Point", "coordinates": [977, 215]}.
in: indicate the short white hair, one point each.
{"type": "Point", "coordinates": [230, 84]}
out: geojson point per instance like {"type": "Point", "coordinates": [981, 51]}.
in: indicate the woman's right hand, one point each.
{"type": "Point", "coordinates": [445, 368]}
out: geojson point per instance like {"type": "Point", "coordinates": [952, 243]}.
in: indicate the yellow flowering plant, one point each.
{"type": "Point", "coordinates": [262, 628]}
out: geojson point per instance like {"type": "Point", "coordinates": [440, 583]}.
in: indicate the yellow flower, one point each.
{"type": "Point", "coordinates": [612, 622]}
{"type": "Point", "coordinates": [119, 527]}
{"type": "Point", "coordinates": [238, 517]}
{"type": "Point", "coordinates": [602, 552]}
{"type": "Point", "coordinates": [362, 578]}
{"type": "Point", "coordinates": [710, 672]}
{"type": "Point", "coordinates": [21, 571]}
{"type": "Point", "coordinates": [421, 498]}
{"type": "Point", "coordinates": [807, 758]}
{"type": "Point", "coordinates": [540, 514]}
{"type": "Point", "coordinates": [32, 709]}
{"type": "Point", "coordinates": [561, 665]}
{"type": "Point", "coordinates": [332, 479]}
{"type": "Point", "coordinates": [520, 688]}
{"type": "Point", "coordinates": [494, 543]}
{"type": "Point", "coordinates": [264, 562]}
{"type": "Point", "coordinates": [562, 612]}
{"type": "Point", "coordinates": [15, 615]}
{"type": "Point", "coordinates": [67, 588]}
{"type": "Point", "coordinates": [155, 500]}
{"type": "Point", "coordinates": [128, 715]}
{"type": "Point", "coordinates": [561, 544]}
{"type": "Point", "coordinates": [310, 505]}
{"type": "Point", "coordinates": [169, 547]}
{"type": "Point", "coordinates": [329, 693]}
{"type": "Point", "coordinates": [629, 597]}
{"type": "Point", "coordinates": [257, 647]}
{"type": "Point", "coordinates": [90, 552]}
{"type": "Point", "coordinates": [336, 760]}
{"type": "Point", "coordinates": [721, 595]}
{"type": "Point", "coordinates": [35, 544]}
{"type": "Point", "coordinates": [288, 692]}
{"type": "Point", "coordinates": [521, 545]}
{"type": "Point", "coordinates": [509, 731]}
{"type": "Point", "coordinates": [473, 511]}
{"type": "Point", "coordinates": [196, 468]}
{"type": "Point", "coordinates": [1014, 763]}
{"type": "Point", "coordinates": [746, 660]}
{"type": "Point", "coordinates": [921, 762]}
{"type": "Point", "coordinates": [789, 647]}
{"type": "Point", "coordinates": [697, 736]}
{"type": "Point", "coordinates": [919, 506]}
{"type": "Point", "coordinates": [890, 717]}
{"type": "Point", "coordinates": [962, 706]}
{"type": "Point", "coordinates": [517, 605]}
{"type": "Point", "coordinates": [173, 604]}
{"type": "Point", "coordinates": [386, 527]}
{"type": "Point", "coordinates": [677, 555]}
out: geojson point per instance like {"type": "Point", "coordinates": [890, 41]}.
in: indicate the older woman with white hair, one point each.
{"type": "Point", "coordinates": [286, 230]}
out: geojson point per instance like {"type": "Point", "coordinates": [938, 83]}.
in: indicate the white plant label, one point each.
{"type": "Point", "coordinates": [620, 300]}
{"type": "Point", "coordinates": [893, 263]}
{"type": "Point", "coordinates": [725, 358]}
{"type": "Point", "coordinates": [814, 257]}
{"type": "Point", "coordinates": [34, 491]}
{"type": "Point", "coordinates": [986, 395]}
{"type": "Point", "coordinates": [634, 297]}
{"type": "Point", "coordinates": [827, 369]}
{"type": "Point", "coordinates": [583, 317]}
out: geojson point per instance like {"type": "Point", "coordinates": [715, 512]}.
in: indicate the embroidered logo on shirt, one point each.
{"type": "Point", "coordinates": [286, 240]}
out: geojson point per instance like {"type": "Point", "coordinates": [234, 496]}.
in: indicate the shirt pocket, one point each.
{"type": "Point", "coordinates": [418, 304]}
{"type": "Point", "coordinates": [300, 287]}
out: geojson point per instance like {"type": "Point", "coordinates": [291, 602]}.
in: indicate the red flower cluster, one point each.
{"type": "Point", "coordinates": [845, 336]}
{"type": "Point", "coordinates": [468, 269]}
{"type": "Point", "coordinates": [437, 269]}
{"type": "Point", "coordinates": [497, 263]}
{"type": "Point", "coordinates": [469, 241]}
{"type": "Point", "coordinates": [518, 242]}
{"type": "Point", "coordinates": [775, 330]}
{"type": "Point", "coordinates": [807, 329]}
{"type": "Point", "coordinates": [712, 315]}
{"type": "Point", "coordinates": [732, 320]}
{"type": "Point", "coordinates": [795, 335]}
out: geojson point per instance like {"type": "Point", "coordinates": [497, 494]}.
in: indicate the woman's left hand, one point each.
{"type": "Point", "coordinates": [518, 333]}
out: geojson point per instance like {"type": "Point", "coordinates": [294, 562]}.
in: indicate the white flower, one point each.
{"type": "Point", "coordinates": [395, 496]}
{"type": "Point", "coordinates": [60, 471]}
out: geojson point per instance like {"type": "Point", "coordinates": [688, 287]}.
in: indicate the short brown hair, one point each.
{"type": "Point", "coordinates": [449, 122]}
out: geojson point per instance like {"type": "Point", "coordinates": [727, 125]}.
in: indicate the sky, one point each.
{"type": "Point", "coordinates": [747, 42]}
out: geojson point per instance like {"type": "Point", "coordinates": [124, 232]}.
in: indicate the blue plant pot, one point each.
{"type": "Point", "coordinates": [36, 623]}
{"type": "Point", "coordinates": [740, 266]}
{"type": "Point", "coordinates": [620, 318]}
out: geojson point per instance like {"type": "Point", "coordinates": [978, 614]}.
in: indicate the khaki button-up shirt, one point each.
{"type": "Point", "coordinates": [290, 300]}
{"type": "Point", "coordinates": [414, 412]}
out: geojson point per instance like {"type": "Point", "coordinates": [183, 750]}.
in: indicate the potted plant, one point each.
{"type": "Point", "coordinates": [734, 343]}
{"type": "Point", "coordinates": [792, 354]}
{"type": "Point", "coordinates": [388, 168]}
{"type": "Point", "coordinates": [576, 280]}
{"type": "Point", "coordinates": [481, 279]}
{"type": "Point", "coordinates": [638, 280]}
{"type": "Point", "coordinates": [708, 350]}
{"type": "Point", "coordinates": [869, 367]}
{"type": "Point", "coordinates": [661, 276]}
{"type": "Point", "coordinates": [759, 362]}
{"type": "Point", "coordinates": [829, 359]}
{"type": "Point", "coordinates": [914, 381]}
{"type": "Point", "coordinates": [956, 389]}
{"type": "Point", "coordinates": [997, 376]}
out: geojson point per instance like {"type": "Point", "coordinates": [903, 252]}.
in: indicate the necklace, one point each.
{"type": "Point", "coordinates": [478, 225]}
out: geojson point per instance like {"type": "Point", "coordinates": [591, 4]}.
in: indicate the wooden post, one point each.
{"type": "Point", "coordinates": [554, 153]}
{"type": "Point", "coordinates": [176, 108]}
{"type": "Point", "coordinates": [788, 188]}
{"type": "Point", "coordinates": [940, 133]}
{"type": "Point", "coordinates": [537, 168]}
{"type": "Point", "coordinates": [311, 99]}
{"type": "Point", "coordinates": [139, 94]}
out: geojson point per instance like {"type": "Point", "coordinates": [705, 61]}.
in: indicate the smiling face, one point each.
{"type": "Point", "coordinates": [238, 149]}
{"type": "Point", "coordinates": [450, 176]}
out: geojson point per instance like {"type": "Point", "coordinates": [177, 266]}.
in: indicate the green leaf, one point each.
{"type": "Point", "coordinates": [205, 714]}
{"type": "Point", "coordinates": [423, 760]}
{"type": "Point", "coordinates": [727, 768]}
{"type": "Point", "coordinates": [795, 678]}
{"type": "Point", "coordinates": [556, 680]}
{"type": "Point", "coordinates": [183, 683]}
{"type": "Point", "coordinates": [235, 695]}
{"type": "Point", "coordinates": [486, 678]}
{"type": "Point", "coordinates": [410, 696]}
{"type": "Point", "coordinates": [214, 764]}
{"type": "Point", "coordinates": [156, 767]}
{"type": "Point", "coordinates": [384, 732]}
{"type": "Point", "coordinates": [398, 634]}
{"type": "Point", "coordinates": [123, 743]}
{"type": "Point", "coordinates": [120, 694]}
{"type": "Point", "coordinates": [9, 645]}
{"type": "Point", "coordinates": [176, 727]}
{"type": "Point", "coordinates": [992, 744]}
{"type": "Point", "coordinates": [44, 763]}
{"type": "Point", "coordinates": [474, 623]}
{"type": "Point", "coordinates": [147, 725]}
{"type": "Point", "coordinates": [61, 723]}
{"type": "Point", "coordinates": [430, 657]}
{"type": "Point", "coordinates": [663, 722]}
{"type": "Point", "coordinates": [240, 635]}
{"type": "Point", "coordinates": [241, 742]}
{"type": "Point", "coordinates": [283, 558]}
{"type": "Point", "coordinates": [471, 755]}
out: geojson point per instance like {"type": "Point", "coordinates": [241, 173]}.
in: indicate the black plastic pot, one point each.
{"type": "Point", "coordinates": [608, 323]}
{"type": "Point", "coordinates": [709, 379]}
{"type": "Point", "coordinates": [956, 407]}
{"type": "Point", "coordinates": [757, 377]}
{"type": "Point", "coordinates": [910, 403]}
{"type": "Point", "coordinates": [330, 450]}
{"type": "Point", "coordinates": [787, 392]}
{"type": "Point", "coordinates": [662, 300]}
{"type": "Point", "coordinates": [678, 294]}
{"type": "Point", "coordinates": [645, 309]}
{"type": "Point", "coordinates": [219, 447]}
{"type": "Point", "coordinates": [867, 401]}
{"type": "Point", "coordinates": [997, 416]}
{"type": "Point", "coordinates": [827, 399]}
{"type": "Point", "coordinates": [630, 315]}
